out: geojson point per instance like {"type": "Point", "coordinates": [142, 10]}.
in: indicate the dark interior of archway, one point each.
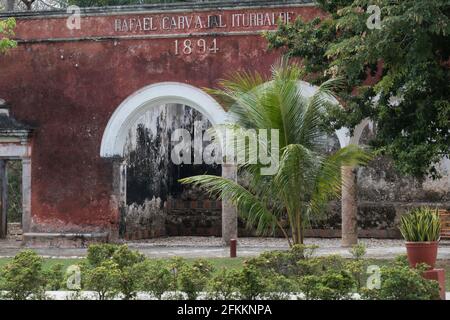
{"type": "Point", "coordinates": [157, 204]}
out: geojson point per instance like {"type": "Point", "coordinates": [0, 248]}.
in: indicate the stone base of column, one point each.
{"type": "Point", "coordinates": [63, 240]}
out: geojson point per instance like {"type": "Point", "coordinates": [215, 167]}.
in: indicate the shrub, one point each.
{"type": "Point", "coordinates": [320, 265]}
{"type": "Point", "coordinates": [175, 265]}
{"type": "Point", "coordinates": [331, 285]}
{"type": "Point", "coordinates": [283, 262]}
{"type": "Point", "coordinates": [192, 279]}
{"type": "Point", "coordinates": [401, 260]}
{"type": "Point", "coordinates": [403, 283]}
{"type": "Point", "coordinates": [124, 260]}
{"type": "Point", "coordinates": [55, 277]}
{"type": "Point", "coordinates": [358, 251]}
{"type": "Point", "coordinates": [23, 278]}
{"type": "Point", "coordinates": [251, 283]}
{"type": "Point", "coordinates": [224, 285]}
{"type": "Point", "coordinates": [124, 257]}
{"type": "Point", "coordinates": [357, 266]}
{"type": "Point", "coordinates": [421, 224]}
{"type": "Point", "coordinates": [156, 277]}
{"type": "Point", "coordinates": [278, 286]}
{"type": "Point", "coordinates": [97, 253]}
{"type": "Point", "coordinates": [103, 279]}
{"type": "Point", "coordinates": [130, 272]}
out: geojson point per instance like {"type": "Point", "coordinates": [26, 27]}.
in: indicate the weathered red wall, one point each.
{"type": "Point", "coordinates": [69, 89]}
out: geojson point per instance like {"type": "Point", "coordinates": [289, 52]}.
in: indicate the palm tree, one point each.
{"type": "Point", "coordinates": [306, 178]}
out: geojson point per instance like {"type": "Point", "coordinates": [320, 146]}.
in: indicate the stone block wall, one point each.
{"type": "Point", "coordinates": [194, 217]}
{"type": "Point", "coordinates": [176, 218]}
{"type": "Point", "coordinates": [384, 196]}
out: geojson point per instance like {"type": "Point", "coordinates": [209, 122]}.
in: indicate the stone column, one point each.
{"type": "Point", "coordinates": [26, 194]}
{"type": "Point", "coordinates": [3, 199]}
{"type": "Point", "coordinates": [349, 207]}
{"type": "Point", "coordinates": [229, 212]}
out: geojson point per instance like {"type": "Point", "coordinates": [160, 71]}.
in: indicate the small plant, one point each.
{"type": "Point", "coordinates": [192, 279]}
{"type": "Point", "coordinates": [331, 285]}
{"type": "Point", "coordinates": [23, 278]}
{"type": "Point", "coordinates": [157, 278]}
{"type": "Point", "coordinates": [103, 279]}
{"type": "Point", "coordinates": [127, 262]}
{"type": "Point", "coordinates": [320, 265]}
{"type": "Point", "coordinates": [283, 262]}
{"type": "Point", "coordinates": [357, 266]}
{"type": "Point", "coordinates": [124, 257]}
{"type": "Point", "coordinates": [400, 282]}
{"type": "Point", "coordinates": [55, 277]}
{"type": "Point", "coordinates": [421, 225]}
{"type": "Point", "coordinates": [358, 251]}
{"type": "Point", "coordinates": [97, 253]}
{"type": "Point", "coordinates": [251, 283]}
{"type": "Point", "coordinates": [175, 265]}
{"type": "Point", "coordinates": [223, 285]}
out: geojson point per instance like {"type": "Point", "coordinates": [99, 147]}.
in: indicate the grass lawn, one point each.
{"type": "Point", "coordinates": [218, 263]}
{"type": "Point", "coordinates": [228, 263]}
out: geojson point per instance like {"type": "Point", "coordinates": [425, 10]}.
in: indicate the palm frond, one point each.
{"type": "Point", "coordinates": [329, 180]}
{"type": "Point", "coordinates": [249, 206]}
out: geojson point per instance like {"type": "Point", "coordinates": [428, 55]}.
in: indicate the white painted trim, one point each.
{"type": "Point", "coordinates": [130, 109]}
{"type": "Point", "coordinates": [344, 133]}
{"type": "Point", "coordinates": [26, 194]}
{"type": "Point", "coordinates": [14, 150]}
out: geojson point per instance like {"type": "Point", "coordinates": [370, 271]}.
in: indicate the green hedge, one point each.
{"type": "Point", "coordinates": [114, 271]}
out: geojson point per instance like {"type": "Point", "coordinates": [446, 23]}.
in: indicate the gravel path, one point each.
{"type": "Point", "coordinates": [255, 242]}
{"type": "Point", "coordinates": [195, 247]}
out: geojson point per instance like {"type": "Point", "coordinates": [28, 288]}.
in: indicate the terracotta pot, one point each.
{"type": "Point", "coordinates": [422, 252]}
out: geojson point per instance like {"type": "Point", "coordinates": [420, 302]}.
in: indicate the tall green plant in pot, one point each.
{"type": "Point", "coordinates": [421, 229]}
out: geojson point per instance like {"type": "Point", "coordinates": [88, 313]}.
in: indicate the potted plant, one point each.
{"type": "Point", "coordinates": [421, 229]}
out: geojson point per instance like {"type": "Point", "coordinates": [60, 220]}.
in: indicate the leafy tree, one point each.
{"type": "Point", "coordinates": [404, 67]}
{"type": "Point", "coordinates": [306, 179]}
{"type": "Point", "coordinates": [6, 31]}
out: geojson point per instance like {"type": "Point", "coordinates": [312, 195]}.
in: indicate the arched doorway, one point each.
{"type": "Point", "coordinates": [126, 116]}
{"type": "Point", "coordinates": [130, 142]}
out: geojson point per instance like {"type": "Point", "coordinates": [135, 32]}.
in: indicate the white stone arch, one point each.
{"type": "Point", "coordinates": [128, 112]}
{"type": "Point", "coordinates": [345, 138]}
{"type": "Point", "coordinates": [343, 134]}
{"type": "Point", "coordinates": [115, 135]}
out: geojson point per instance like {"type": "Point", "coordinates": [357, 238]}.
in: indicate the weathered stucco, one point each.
{"type": "Point", "coordinates": [67, 83]}
{"type": "Point", "coordinates": [156, 203]}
